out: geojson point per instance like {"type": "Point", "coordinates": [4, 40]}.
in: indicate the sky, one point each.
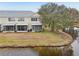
{"type": "Point", "coordinates": [32, 6]}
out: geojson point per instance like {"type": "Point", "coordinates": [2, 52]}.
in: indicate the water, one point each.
{"type": "Point", "coordinates": [75, 46]}
{"type": "Point", "coordinates": [37, 51]}
{"type": "Point", "coordinates": [18, 52]}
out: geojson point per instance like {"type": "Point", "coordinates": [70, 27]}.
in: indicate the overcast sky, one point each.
{"type": "Point", "coordinates": [32, 6]}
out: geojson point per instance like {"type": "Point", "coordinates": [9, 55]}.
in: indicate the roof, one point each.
{"type": "Point", "coordinates": [36, 23]}
{"type": "Point", "coordinates": [36, 15]}
{"type": "Point", "coordinates": [16, 13]}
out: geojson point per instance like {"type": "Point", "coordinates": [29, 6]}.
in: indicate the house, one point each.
{"type": "Point", "coordinates": [19, 21]}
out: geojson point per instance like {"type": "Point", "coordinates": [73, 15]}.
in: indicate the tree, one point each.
{"type": "Point", "coordinates": [55, 17]}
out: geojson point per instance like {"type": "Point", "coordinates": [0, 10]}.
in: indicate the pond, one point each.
{"type": "Point", "coordinates": [37, 51]}
{"type": "Point", "coordinates": [71, 50]}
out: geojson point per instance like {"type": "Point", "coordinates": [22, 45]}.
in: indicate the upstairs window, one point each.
{"type": "Point", "coordinates": [20, 19]}
{"type": "Point", "coordinates": [11, 19]}
{"type": "Point", "coordinates": [33, 19]}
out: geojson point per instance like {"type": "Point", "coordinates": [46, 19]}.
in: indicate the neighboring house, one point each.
{"type": "Point", "coordinates": [19, 21]}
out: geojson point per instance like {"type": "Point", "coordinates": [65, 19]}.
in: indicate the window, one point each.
{"type": "Point", "coordinates": [33, 19]}
{"type": "Point", "coordinates": [22, 27]}
{"type": "Point", "coordinates": [21, 19]}
{"type": "Point", "coordinates": [11, 19]}
{"type": "Point", "coordinates": [36, 28]}
{"type": "Point", "coordinates": [9, 28]}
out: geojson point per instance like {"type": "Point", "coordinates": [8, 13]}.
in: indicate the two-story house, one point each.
{"type": "Point", "coordinates": [19, 21]}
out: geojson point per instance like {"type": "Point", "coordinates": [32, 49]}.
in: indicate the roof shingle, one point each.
{"type": "Point", "coordinates": [16, 13]}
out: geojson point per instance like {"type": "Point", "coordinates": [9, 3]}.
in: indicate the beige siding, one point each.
{"type": "Point", "coordinates": [6, 22]}
{"type": "Point", "coordinates": [27, 21]}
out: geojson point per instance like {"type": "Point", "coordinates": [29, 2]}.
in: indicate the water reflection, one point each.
{"type": "Point", "coordinates": [55, 51]}
{"type": "Point", "coordinates": [18, 52]}
{"type": "Point", "coordinates": [37, 51]}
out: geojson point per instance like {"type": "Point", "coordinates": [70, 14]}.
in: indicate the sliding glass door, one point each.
{"type": "Point", "coordinates": [36, 28]}
{"type": "Point", "coordinates": [21, 27]}
{"type": "Point", "coordinates": [9, 28]}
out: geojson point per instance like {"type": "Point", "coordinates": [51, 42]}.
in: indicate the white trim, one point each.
{"type": "Point", "coordinates": [8, 31]}
{"type": "Point", "coordinates": [22, 24]}
{"type": "Point", "coordinates": [21, 31]}
{"type": "Point", "coordinates": [8, 24]}
{"type": "Point", "coordinates": [33, 31]}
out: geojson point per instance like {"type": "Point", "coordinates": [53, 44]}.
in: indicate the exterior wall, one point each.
{"type": "Point", "coordinates": [27, 21]}
{"type": "Point", "coordinates": [3, 20]}
{"type": "Point", "coordinates": [6, 22]}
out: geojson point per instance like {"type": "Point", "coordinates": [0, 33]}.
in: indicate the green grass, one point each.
{"type": "Point", "coordinates": [32, 39]}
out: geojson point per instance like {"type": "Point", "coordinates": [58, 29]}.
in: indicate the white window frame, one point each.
{"type": "Point", "coordinates": [11, 19]}
{"type": "Point", "coordinates": [34, 19]}
{"type": "Point", "coordinates": [20, 19]}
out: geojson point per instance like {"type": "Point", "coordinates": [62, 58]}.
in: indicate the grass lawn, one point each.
{"type": "Point", "coordinates": [33, 39]}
